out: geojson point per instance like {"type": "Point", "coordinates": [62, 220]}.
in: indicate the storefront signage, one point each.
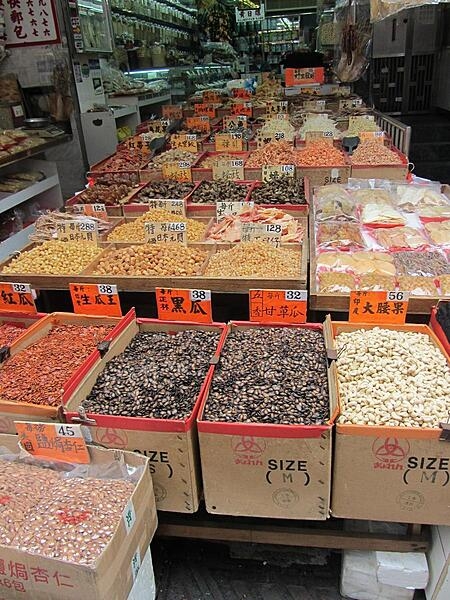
{"type": "Point", "coordinates": [30, 22]}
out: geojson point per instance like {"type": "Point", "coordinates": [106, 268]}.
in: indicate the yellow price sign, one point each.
{"type": "Point", "coordinates": [178, 171]}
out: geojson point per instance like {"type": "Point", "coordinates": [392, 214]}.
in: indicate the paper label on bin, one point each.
{"type": "Point", "coordinates": [229, 142]}
{"type": "Point", "coordinates": [232, 208]}
{"type": "Point", "coordinates": [199, 123]}
{"type": "Point", "coordinates": [77, 230]}
{"type": "Point", "coordinates": [235, 121]}
{"type": "Point", "coordinates": [159, 232]}
{"type": "Point", "coordinates": [276, 171]}
{"type": "Point", "coordinates": [176, 207]}
{"type": "Point", "coordinates": [262, 232]}
{"type": "Point", "coordinates": [129, 516]}
{"type": "Point", "coordinates": [184, 141]}
{"type": "Point", "coordinates": [184, 305]}
{"type": "Point", "coordinates": [229, 169]}
{"type": "Point", "coordinates": [98, 299]}
{"type": "Point", "coordinates": [97, 210]}
{"type": "Point", "coordinates": [371, 135]}
{"type": "Point", "coordinates": [205, 110]}
{"type": "Point", "coordinates": [382, 307]}
{"type": "Point", "coordinates": [178, 171]}
{"type": "Point", "coordinates": [53, 441]}
{"type": "Point", "coordinates": [242, 108]}
{"type": "Point", "coordinates": [278, 306]}
{"type": "Point", "coordinates": [274, 107]}
{"type": "Point", "coordinates": [171, 111]}
{"type": "Point", "coordinates": [17, 297]}
{"type": "Point", "coordinates": [328, 136]}
{"type": "Point", "coordinates": [211, 97]}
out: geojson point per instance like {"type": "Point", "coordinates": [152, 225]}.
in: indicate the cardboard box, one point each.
{"type": "Point", "coordinates": [396, 172]}
{"type": "Point", "coordinates": [30, 576]}
{"type": "Point", "coordinates": [23, 411]}
{"type": "Point", "coordinates": [262, 470]}
{"type": "Point", "coordinates": [438, 587]}
{"type": "Point", "coordinates": [390, 473]}
{"type": "Point", "coordinates": [170, 445]}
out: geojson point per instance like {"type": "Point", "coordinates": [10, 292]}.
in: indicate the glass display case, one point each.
{"type": "Point", "coordinates": [91, 26]}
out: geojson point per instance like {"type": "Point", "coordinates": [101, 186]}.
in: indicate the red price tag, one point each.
{"type": "Point", "coordinates": [53, 441]}
{"type": "Point", "coordinates": [199, 123]}
{"type": "Point", "coordinates": [211, 98]}
{"type": "Point", "coordinates": [95, 299]}
{"type": "Point", "coordinates": [378, 307]}
{"type": "Point", "coordinates": [170, 111]}
{"type": "Point", "coordinates": [184, 305]}
{"type": "Point", "coordinates": [241, 93]}
{"type": "Point", "coordinates": [17, 297]}
{"type": "Point", "coordinates": [278, 306]}
{"type": "Point", "coordinates": [205, 110]}
{"type": "Point", "coordinates": [242, 108]}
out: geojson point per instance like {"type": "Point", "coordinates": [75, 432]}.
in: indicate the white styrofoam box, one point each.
{"type": "Point", "coordinates": [438, 587]}
{"type": "Point", "coordinates": [359, 579]}
{"type": "Point", "coordinates": [144, 587]}
{"type": "Point", "coordinates": [403, 569]}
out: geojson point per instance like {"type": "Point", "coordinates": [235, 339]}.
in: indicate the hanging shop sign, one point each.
{"type": "Point", "coordinates": [184, 305]}
{"type": "Point", "coordinates": [308, 76]}
{"type": "Point", "coordinates": [245, 14]}
{"type": "Point", "coordinates": [95, 299]}
{"type": "Point", "coordinates": [278, 306]}
{"type": "Point", "coordinates": [378, 307]}
{"type": "Point", "coordinates": [31, 23]}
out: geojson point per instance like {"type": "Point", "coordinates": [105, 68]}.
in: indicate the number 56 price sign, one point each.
{"type": "Point", "coordinates": [278, 306]}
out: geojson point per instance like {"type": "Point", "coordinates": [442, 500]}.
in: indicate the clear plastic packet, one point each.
{"type": "Point", "coordinates": [433, 213]}
{"type": "Point", "coordinates": [354, 183]}
{"type": "Point", "coordinates": [417, 286]}
{"type": "Point", "coordinates": [332, 191]}
{"type": "Point", "coordinates": [339, 235]}
{"type": "Point", "coordinates": [400, 238]}
{"type": "Point", "coordinates": [335, 208]}
{"type": "Point", "coordinates": [358, 263]}
{"type": "Point", "coordinates": [421, 264]}
{"type": "Point", "coordinates": [411, 197]}
{"type": "Point", "coordinates": [372, 196]}
{"type": "Point", "coordinates": [377, 283]}
{"type": "Point", "coordinates": [381, 214]}
{"type": "Point", "coordinates": [332, 282]}
{"type": "Point", "coordinates": [438, 232]}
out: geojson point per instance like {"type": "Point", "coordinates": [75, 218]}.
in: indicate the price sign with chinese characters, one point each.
{"type": "Point", "coordinates": [229, 169]}
{"type": "Point", "coordinates": [314, 104]}
{"type": "Point", "coordinates": [199, 123]}
{"type": "Point", "coordinates": [157, 232]}
{"type": "Point", "coordinates": [241, 93]}
{"type": "Point", "coordinates": [277, 136]}
{"type": "Point", "coordinates": [137, 143]}
{"type": "Point", "coordinates": [205, 110]}
{"type": "Point", "coordinates": [185, 141]}
{"type": "Point", "coordinates": [270, 172]}
{"type": "Point", "coordinates": [228, 142]}
{"type": "Point", "coordinates": [235, 121]}
{"type": "Point", "coordinates": [278, 306]}
{"type": "Point", "coordinates": [158, 125]}
{"type": "Point", "coordinates": [171, 111]}
{"type": "Point", "coordinates": [378, 307]}
{"type": "Point", "coordinates": [53, 441]}
{"type": "Point", "coordinates": [179, 171]}
{"type": "Point", "coordinates": [273, 107]}
{"type": "Point", "coordinates": [176, 207]}
{"type": "Point", "coordinates": [327, 136]}
{"type": "Point", "coordinates": [77, 231]}
{"type": "Point", "coordinates": [184, 305]}
{"type": "Point", "coordinates": [224, 208]}
{"type": "Point", "coordinates": [95, 299]}
{"type": "Point", "coordinates": [262, 232]}
{"type": "Point", "coordinates": [242, 108]}
{"type": "Point", "coordinates": [304, 76]}
{"type": "Point", "coordinates": [91, 210]}
{"type": "Point", "coordinates": [372, 135]}
{"type": "Point", "coordinates": [211, 97]}
{"type": "Point", "coordinates": [30, 22]}
{"type": "Point", "coordinates": [17, 297]}
{"type": "Point", "coordinates": [350, 103]}
{"type": "Point", "coordinates": [355, 120]}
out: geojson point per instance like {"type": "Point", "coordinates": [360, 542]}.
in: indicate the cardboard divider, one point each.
{"type": "Point", "coordinates": [383, 473]}
{"type": "Point", "coordinates": [111, 577]}
{"type": "Point", "coordinates": [171, 444]}
{"type": "Point", "coordinates": [238, 459]}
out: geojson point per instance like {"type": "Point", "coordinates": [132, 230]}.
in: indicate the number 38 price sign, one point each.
{"type": "Point", "coordinates": [278, 306]}
{"type": "Point", "coordinates": [95, 299]}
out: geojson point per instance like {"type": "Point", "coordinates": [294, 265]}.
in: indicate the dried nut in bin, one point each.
{"type": "Point", "coordinates": [255, 259]}
{"type": "Point", "coordinates": [151, 260]}
{"type": "Point", "coordinates": [377, 283]}
{"type": "Point", "coordinates": [167, 189]}
{"type": "Point", "coordinates": [134, 231]}
{"type": "Point", "coordinates": [271, 375]}
{"type": "Point", "coordinates": [158, 376]}
{"type": "Point", "coordinates": [54, 258]}
{"type": "Point", "coordinates": [218, 191]}
{"type": "Point", "coordinates": [171, 156]}
{"type": "Point", "coordinates": [281, 190]}
{"type": "Point", "coordinates": [37, 374]}
{"type": "Point", "coordinates": [68, 519]}
{"type": "Point", "coordinates": [110, 195]}
{"type": "Point", "coordinates": [9, 332]}
{"type": "Point", "coordinates": [428, 264]}
{"type": "Point", "coordinates": [394, 378]}
{"type": "Point", "coordinates": [418, 286]}
{"type": "Point", "coordinates": [372, 152]}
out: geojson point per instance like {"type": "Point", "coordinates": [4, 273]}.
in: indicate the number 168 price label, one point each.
{"type": "Point", "coordinates": [95, 299]}
{"type": "Point", "coordinates": [278, 306]}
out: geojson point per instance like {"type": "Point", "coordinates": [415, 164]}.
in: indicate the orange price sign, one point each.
{"type": "Point", "coordinates": [95, 299]}
{"type": "Point", "coordinates": [171, 111]}
{"type": "Point", "coordinates": [278, 306]}
{"type": "Point", "coordinates": [184, 305]}
{"type": "Point", "coordinates": [53, 441]}
{"type": "Point", "coordinates": [241, 93]}
{"type": "Point", "coordinates": [200, 123]}
{"type": "Point", "coordinates": [185, 141]}
{"type": "Point", "coordinates": [211, 98]}
{"type": "Point", "coordinates": [242, 108]}
{"type": "Point", "coordinates": [205, 110]}
{"type": "Point", "coordinates": [372, 135]}
{"type": "Point", "coordinates": [378, 307]}
{"type": "Point", "coordinates": [91, 210]}
{"type": "Point", "coordinates": [228, 142]}
{"type": "Point", "coordinates": [178, 171]}
{"type": "Point", "coordinates": [17, 297]}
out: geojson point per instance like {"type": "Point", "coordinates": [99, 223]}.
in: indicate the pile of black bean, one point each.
{"type": "Point", "coordinates": [271, 375]}
{"type": "Point", "coordinates": [158, 376]}
{"type": "Point", "coordinates": [210, 192]}
{"type": "Point", "coordinates": [168, 189]}
{"type": "Point", "coordinates": [443, 317]}
{"type": "Point", "coordinates": [281, 190]}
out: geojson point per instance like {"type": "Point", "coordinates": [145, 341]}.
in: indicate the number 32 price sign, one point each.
{"type": "Point", "coordinates": [278, 306]}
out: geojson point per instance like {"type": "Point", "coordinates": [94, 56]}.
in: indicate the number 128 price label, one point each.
{"type": "Point", "coordinates": [278, 306]}
{"type": "Point", "coordinates": [95, 299]}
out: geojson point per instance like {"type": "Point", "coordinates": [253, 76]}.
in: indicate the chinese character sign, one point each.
{"type": "Point", "coordinates": [54, 441]}
{"type": "Point", "coordinates": [378, 307]}
{"type": "Point", "coordinates": [77, 231]}
{"type": "Point", "coordinates": [278, 306]}
{"type": "Point", "coordinates": [184, 305]}
{"type": "Point", "coordinates": [17, 297]}
{"type": "Point", "coordinates": [159, 232]}
{"type": "Point", "coordinates": [95, 299]}
{"type": "Point", "coordinates": [30, 22]}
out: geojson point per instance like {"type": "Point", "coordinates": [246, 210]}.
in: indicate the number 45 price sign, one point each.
{"type": "Point", "coordinates": [278, 306]}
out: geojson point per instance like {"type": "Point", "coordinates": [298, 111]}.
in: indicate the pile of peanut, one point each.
{"type": "Point", "coordinates": [134, 231]}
